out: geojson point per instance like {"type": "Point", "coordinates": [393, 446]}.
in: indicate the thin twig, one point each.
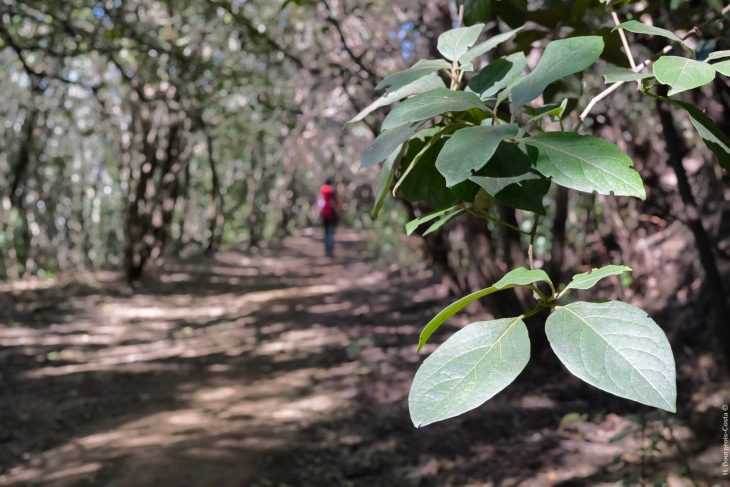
{"type": "Point", "coordinates": [641, 66]}
{"type": "Point", "coordinates": [622, 34]}
{"type": "Point", "coordinates": [616, 85]}
{"type": "Point", "coordinates": [455, 64]}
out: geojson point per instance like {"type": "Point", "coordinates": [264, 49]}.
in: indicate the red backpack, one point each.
{"type": "Point", "coordinates": [326, 203]}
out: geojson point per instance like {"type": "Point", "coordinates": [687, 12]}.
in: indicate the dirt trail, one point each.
{"type": "Point", "coordinates": [280, 368]}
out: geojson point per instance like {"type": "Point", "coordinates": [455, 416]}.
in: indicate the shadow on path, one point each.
{"type": "Point", "coordinates": [276, 368]}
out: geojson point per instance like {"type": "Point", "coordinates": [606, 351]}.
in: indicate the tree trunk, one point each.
{"type": "Point", "coordinates": [483, 271]}
{"type": "Point", "coordinates": [676, 151]}
{"type": "Point", "coordinates": [215, 207]}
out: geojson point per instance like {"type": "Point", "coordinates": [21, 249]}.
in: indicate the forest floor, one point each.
{"type": "Point", "coordinates": [284, 368]}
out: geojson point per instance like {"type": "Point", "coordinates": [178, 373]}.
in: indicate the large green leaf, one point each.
{"type": "Point", "coordinates": [429, 104]}
{"type": "Point", "coordinates": [497, 75]}
{"type": "Point", "coordinates": [421, 68]}
{"type": "Point", "coordinates": [473, 365]}
{"type": "Point", "coordinates": [715, 139]}
{"type": "Point", "coordinates": [421, 85]}
{"type": "Point", "coordinates": [486, 46]}
{"type": "Point", "coordinates": [641, 28]}
{"type": "Point", "coordinates": [560, 59]}
{"type": "Point", "coordinates": [682, 74]}
{"type": "Point", "coordinates": [454, 43]}
{"type": "Point", "coordinates": [586, 163]}
{"type": "Point", "coordinates": [515, 277]}
{"type": "Point", "coordinates": [615, 347]}
{"type": "Point", "coordinates": [385, 143]}
{"type": "Point", "coordinates": [523, 192]}
{"type": "Point", "coordinates": [469, 149]}
{"type": "Point", "coordinates": [587, 280]}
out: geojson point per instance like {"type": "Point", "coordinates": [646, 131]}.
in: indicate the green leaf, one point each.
{"type": "Point", "coordinates": [469, 149]}
{"type": "Point", "coordinates": [385, 179]}
{"type": "Point", "coordinates": [523, 192]}
{"type": "Point", "coordinates": [443, 221]}
{"type": "Point", "coordinates": [509, 160]}
{"type": "Point", "coordinates": [487, 46]}
{"type": "Point", "coordinates": [424, 183]}
{"type": "Point", "coordinates": [412, 225]}
{"type": "Point", "coordinates": [717, 55]}
{"type": "Point", "coordinates": [477, 11]}
{"type": "Point", "coordinates": [426, 105]}
{"type": "Point", "coordinates": [560, 59]}
{"type": "Point", "coordinates": [587, 280]}
{"type": "Point", "coordinates": [498, 75]}
{"type": "Point", "coordinates": [422, 68]}
{"type": "Point", "coordinates": [515, 277]}
{"type": "Point", "coordinates": [641, 28]}
{"type": "Point", "coordinates": [522, 277]}
{"type": "Point", "coordinates": [509, 177]}
{"type": "Point", "coordinates": [421, 85]}
{"type": "Point", "coordinates": [454, 43]}
{"type": "Point", "coordinates": [615, 347]}
{"type": "Point", "coordinates": [553, 110]}
{"type": "Point", "coordinates": [586, 163]}
{"type": "Point", "coordinates": [513, 12]}
{"type": "Point", "coordinates": [714, 138]}
{"type": "Point", "coordinates": [468, 369]}
{"type": "Point", "coordinates": [430, 137]}
{"type": "Point", "coordinates": [722, 67]}
{"type": "Point", "coordinates": [682, 74]}
{"type": "Point", "coordinates": [615, 74]}
{"type": "Point", "coordinates": [385, 143]}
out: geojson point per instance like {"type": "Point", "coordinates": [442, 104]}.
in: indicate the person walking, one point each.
{"type": "Point", "coordinates": [329, 205]}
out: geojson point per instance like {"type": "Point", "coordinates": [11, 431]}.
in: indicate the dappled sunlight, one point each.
{"type": "Point", "coordinates": [261, 351]}
{"type": "Point", "coordinates": [312, 371]}
{"type": "Point", "coordinates": [316, 339]}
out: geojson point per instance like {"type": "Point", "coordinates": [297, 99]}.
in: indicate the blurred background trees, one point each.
{"type": "Point", "coordinates": [134, 129]}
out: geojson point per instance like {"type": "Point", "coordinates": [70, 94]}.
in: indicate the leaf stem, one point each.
{"type": "Point", "coordinates": [489, 217]}
{"type": "Point", "coordinates": [539, 293]}
{"type": "Point", "coordinates": [532, 312]}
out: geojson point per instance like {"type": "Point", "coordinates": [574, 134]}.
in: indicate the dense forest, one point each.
{"type": "Point", "coordinates": [167, 316]}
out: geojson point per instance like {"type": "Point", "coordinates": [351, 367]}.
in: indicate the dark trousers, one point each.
{"type": "Point", "coordinates": [329, 238]}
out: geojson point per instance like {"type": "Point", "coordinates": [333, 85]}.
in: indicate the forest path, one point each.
{"type": "Point", "coordinates": [276, 368]}
{"type": "Point", "coordinates": [211, 373]}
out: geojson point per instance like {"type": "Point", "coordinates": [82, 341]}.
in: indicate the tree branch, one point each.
{"type": "Point", "coordinates": [338, 27]}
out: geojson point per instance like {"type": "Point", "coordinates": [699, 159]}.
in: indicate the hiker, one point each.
{"type": "Point", "coordinates": [329, 205]}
